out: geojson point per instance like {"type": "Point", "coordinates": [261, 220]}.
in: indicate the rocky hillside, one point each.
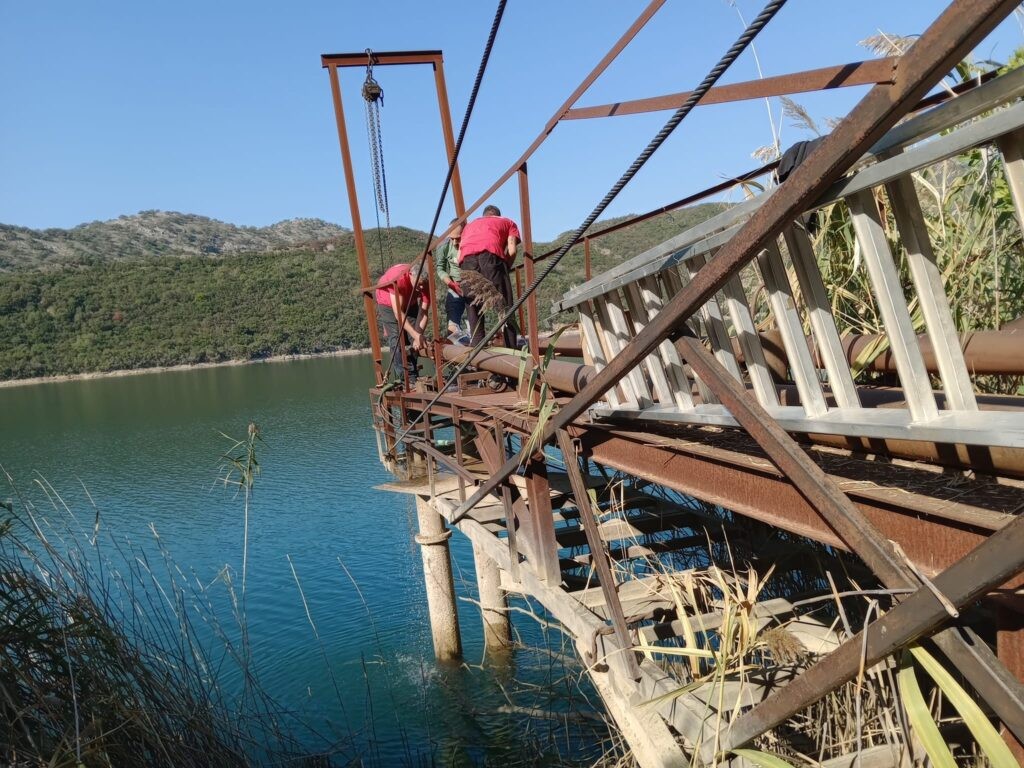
{"type": "Point", "coordinates": [150, 234]}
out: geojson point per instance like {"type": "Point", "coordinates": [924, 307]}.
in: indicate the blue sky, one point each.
{"type": "Point", "coordinates": [222, 109]}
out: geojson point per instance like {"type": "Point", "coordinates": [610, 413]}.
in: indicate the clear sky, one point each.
{"type": "Point", "coordinates": [222, 109]}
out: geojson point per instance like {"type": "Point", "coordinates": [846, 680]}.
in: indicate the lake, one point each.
{"type": "Point", "coordinates": [147, 450]}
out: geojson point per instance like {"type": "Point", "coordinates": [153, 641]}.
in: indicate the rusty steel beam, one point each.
{"type": "Point", "coordinates": [964, 24]}
{"type": "Point", "coordinates": [570, 378]}
{"type": "Point", "coordinates": [985, 352]}
{"type": "Point", "coordinates": [750, 487]}
{"type": "Point", "coordinates": [984, 671]}
{"type": "Point", "coordinates": [641, 21]}
{"type": "Point", "coordinates": [599, 555]}
{"type": "Point", "coordinates": [696, 197]}
{"type": "Point", "coordinates": [386, 58]}
{"type": "Point", "coordinates": [532, 329]}
{"type": "Point", "coordinates": [998, 559]}
{"type": "Point", "coordinates": [369, 304]}
{"type": "Point", "coordinates": [840, 76]}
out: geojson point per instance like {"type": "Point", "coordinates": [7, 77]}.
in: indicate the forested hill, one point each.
{"type": "Point", "coordinates": [165, 304]}
{"type": "Point", "coordinates": [149, 234]}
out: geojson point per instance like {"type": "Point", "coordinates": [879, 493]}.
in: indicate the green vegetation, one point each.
{"type": "Point", "coordinates": [160, 310]}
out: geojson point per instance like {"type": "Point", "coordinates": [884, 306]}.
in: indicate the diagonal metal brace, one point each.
{"type": "Point", "coordinates": [983, 670]}
{"type": "Point", "coordinates": [944, 44]}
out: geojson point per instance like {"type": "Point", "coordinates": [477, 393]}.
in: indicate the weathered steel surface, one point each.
{"type": "Point", "coordinates": [747, 487]}
{"type": "Point", "coordinates": [944, 44]}
{"type": "Point", "coordinates": [641, 21]}
{"type": "Point", "coordinates": [825, 78]}
{"type": "Point", "coordinates": [369, 305]}
{"type": "Point", "coordinates": [991, 564]}
{"type": "Point", "coordinates": [597, 550]}
{"type": "Point", "coordinates": [361, 59]}
{"type": "Point", "coordinates": [987, 675]}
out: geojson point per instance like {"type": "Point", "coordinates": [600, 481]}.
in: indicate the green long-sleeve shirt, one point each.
{"type": "Point", "coordinates": [447, 263]}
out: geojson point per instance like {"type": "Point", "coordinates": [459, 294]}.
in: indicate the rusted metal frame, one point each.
{"type": "Point", "coordinates": [532, 328]}
{"type": "Point", "coordinates": [823, 79]}
{"type": "Point", "coordinates": [696, 197]}
{"type": "Point", "coordinates": [369, 304]}
{"type": "Point", "coordinates": [331, 60]}
{"type": "Point", "coordinates": [964, 24]}
{"type": "Point", "coordinates": [929, 101]}
{"type": "Point", "coordinates": [449, 136]}
{"type": "Point", "coordinates": [519, 292]}
{"type": "Point", "coordinates": [585, 84]}
{"type": "Point", "coordinates": [435, 325]}
{"type": "Point", "coordinates": [1010, 647]}
{"type": "Point", "coordinates": [459, 454]}
{"type": "Point", "coordinates": [988, 677]}
{"type": "Point", "coordinates": [597, 550]}
{"type": "Point", "coordinates": [749, 486]}
{"type": "Point", "coordinates": [991, 564]}
{"type": "Point", "coordinates": [507, 506]}
{"type": "Point", "coordinates": [542, 520]}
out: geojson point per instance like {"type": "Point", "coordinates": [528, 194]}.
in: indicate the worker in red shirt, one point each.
{"type": "Point", "coordinates": [489, 247]}
{"type": "Point", "coordinates": [404, 299]}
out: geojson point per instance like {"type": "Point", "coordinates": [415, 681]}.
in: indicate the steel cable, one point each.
{"type": "Point", "coordinates": [485, 58]}
{"type": "Point", "coordinates": [673, 122]}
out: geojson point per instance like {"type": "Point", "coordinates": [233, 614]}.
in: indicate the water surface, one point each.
{"type": "Point", "coordinates": [148, 449]}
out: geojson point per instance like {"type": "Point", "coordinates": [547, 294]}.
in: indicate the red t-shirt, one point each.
{"type": "Point", "coordinates": [399, 278]}
{"type": "Point", "coordinates": [488, 233]}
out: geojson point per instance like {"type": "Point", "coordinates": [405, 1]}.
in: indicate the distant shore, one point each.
{"type": "Point", "coordinates": [182, 367]}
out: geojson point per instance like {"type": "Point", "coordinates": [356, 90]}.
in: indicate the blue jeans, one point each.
{"type": "Point", "coordinates": [454, 307]}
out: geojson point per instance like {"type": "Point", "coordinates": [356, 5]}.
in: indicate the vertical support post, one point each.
{"type": "Point", "coordinates": [437, 575]}
{"type": "Point", "coordinates": [369, 304]}
{"type": "Point", "coordinates": [493, 602]}
{"type": "Point", "coordinates": [598, 555]}
{"type": "Point", "coordinates": [531, 302]}
{"type": "Point", "coordinates": [519, 292]}
{"type": "Point", "coordinates": [506, 502]}
{"type": "Point", "coordinates": [435, 324]}
{"type": "Point", "coordinates": [586, 258]}
{"type": "Point", "coordinates": [542, 521]}
{"type": "Point", "coordinates": [446, 129]}
{"type": "Point", "coordinates": [1010, 649]}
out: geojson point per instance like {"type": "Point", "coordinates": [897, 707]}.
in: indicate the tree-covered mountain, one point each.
{"type": "Point", "coordinates": [150, 234]}
{"type": "Point", "coordinates": [165, 305]}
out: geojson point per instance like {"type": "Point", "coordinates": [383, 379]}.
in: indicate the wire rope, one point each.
{"type": "Point", "coordinates": [485, 58]}
{"type": "Point", "coordinates": [673, 122]}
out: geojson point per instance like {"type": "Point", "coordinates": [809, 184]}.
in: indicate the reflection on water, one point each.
{"type": "Point", "coordinates": [148, 449]}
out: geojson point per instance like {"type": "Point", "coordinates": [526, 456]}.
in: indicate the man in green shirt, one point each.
{"type": "Point", "coordinates": [448, 273]}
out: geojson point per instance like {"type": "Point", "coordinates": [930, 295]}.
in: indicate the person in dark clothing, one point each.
{"type": "Point", "coordinates": [488, 247]}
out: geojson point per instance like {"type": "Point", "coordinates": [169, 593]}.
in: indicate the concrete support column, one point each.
{"type": "Point", "coordinates": [493, 602]}
{"type": "Point", "coordinates": [437, 573]}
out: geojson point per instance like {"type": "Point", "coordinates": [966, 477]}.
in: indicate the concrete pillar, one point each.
{"type": "Point", "coordinates": [493, 602]}
{"type": "Point", "coordinates": [437, 573]}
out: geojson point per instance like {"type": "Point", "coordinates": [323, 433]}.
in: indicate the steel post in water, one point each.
{"type": "Point", "coordinates": [493, 602]}
{"type": "Point", "coordinates": [437, 576]}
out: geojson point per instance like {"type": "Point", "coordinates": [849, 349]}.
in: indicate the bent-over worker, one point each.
{"type": "Point", "coordinates": [489, 247]}
{"type": "Point", "coordinates": [405, 299]}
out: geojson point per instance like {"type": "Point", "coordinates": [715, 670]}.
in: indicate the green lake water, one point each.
{"type": "Point", "coordinates": [147, 449]}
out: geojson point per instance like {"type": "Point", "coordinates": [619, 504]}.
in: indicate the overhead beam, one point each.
{"type": "Point", "coordinates": [361, 59]}
{"type": "Point", "coordinates": [825, 78]}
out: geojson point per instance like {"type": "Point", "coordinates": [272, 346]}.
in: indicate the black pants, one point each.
{"type": "Point", "coordinates": [492, 267]}
{"type": "Point", "coordinates": [398, 338]}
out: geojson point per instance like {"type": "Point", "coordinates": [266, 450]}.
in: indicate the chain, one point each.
{"type": "Point", "coordinates": [373, 96]}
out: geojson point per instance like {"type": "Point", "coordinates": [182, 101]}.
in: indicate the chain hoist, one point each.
{"type": "Point", "coordinates": [373, 100]}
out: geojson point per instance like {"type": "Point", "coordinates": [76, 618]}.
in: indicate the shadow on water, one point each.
{"type": "Point", "coordinates": [148, 448]}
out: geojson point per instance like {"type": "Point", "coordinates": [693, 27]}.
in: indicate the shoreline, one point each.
{"type": "Point", "coordinates": [170, 368]}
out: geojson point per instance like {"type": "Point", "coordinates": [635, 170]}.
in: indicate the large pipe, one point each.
{"type": "Point", "coordinates": [570, 378]}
